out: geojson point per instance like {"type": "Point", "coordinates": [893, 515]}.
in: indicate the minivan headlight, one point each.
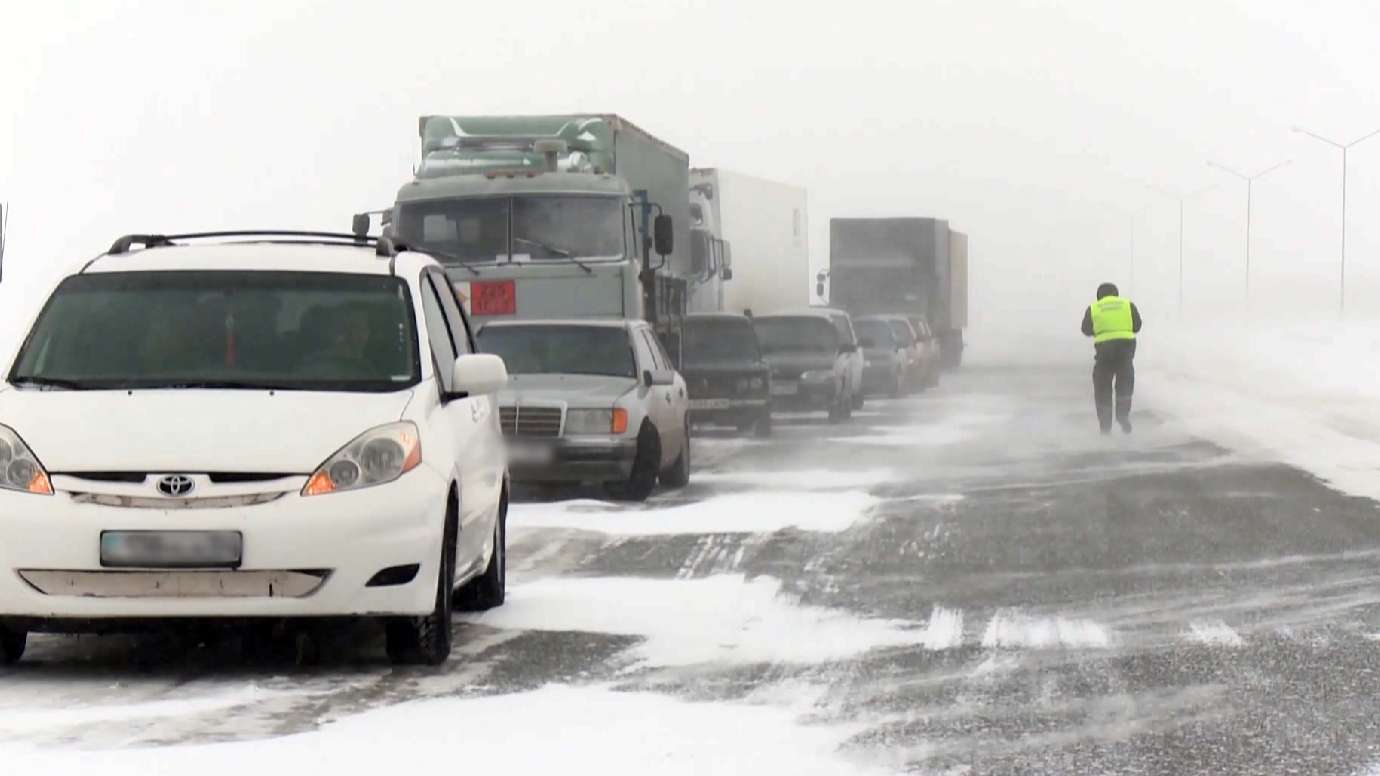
{"type": "Point", "coordinates": [19, 467]}
{"type": "Point", "coordinates": [378, 456]}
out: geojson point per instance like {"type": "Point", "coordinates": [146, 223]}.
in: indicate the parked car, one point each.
{"type": "Point", "coordinates": [813, 364]}
{"type": "Point", "coordinates": [260, 429]}
{"type": "Point", "coordinates": [848, 339]}
{"type": "Point", "coordinates": [592, 401]}
{"type": "Point", "coordinates": [931, 350]}
{"type": "Point", "coordinates": [890, 363]}
{"type": "Point", "coordinates": [728, 380]}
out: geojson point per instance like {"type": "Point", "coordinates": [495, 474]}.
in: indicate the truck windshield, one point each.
{"type": "Point", "coordinates": [877, 331]}
{"type": "Point", "coordinates": [543, 228]}
{"type": "Point", "coordinates": [568, 349]}
{"type": "Point", "coordinates": [803, 333]}
{"type": "Point", "coordinates": [250, 330]}
{"type": "Point", "coordinates": [727, 341]}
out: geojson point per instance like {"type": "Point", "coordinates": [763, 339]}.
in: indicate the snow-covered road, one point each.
{"type": "Point", "coordinates": [969, 581]}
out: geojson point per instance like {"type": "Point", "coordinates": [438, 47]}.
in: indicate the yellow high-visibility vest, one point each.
{"type": "Point", "coordinates": [1111, 319]}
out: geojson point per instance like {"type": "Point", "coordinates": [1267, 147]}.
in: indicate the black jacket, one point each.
{"type": "Point", "coordinates": [1087, 320]}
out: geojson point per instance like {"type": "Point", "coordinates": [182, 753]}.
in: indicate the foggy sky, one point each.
{"type": "Point", "coordinates": [1032, 126]}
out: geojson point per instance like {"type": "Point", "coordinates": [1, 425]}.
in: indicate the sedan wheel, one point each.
{"type": "Point", "coordinates": [12, 643]}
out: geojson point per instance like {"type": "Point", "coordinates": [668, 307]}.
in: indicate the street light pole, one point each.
{"type": "Point", "coordinates": [1181, 198]}
{"type": "Point", "coordinates": [1250, 181]}
{"type": "Point", "coordinates": [1345, 147]}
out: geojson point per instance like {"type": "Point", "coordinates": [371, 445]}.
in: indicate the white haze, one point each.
{"type": "Point", "coordinates": [1033, 126]}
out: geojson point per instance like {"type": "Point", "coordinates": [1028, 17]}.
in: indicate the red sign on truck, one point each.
{"type": "Point", "coordinates": [493, 297]}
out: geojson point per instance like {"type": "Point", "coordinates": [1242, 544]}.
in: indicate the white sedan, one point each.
{"type": "Point", "coordinates": [288, 427]}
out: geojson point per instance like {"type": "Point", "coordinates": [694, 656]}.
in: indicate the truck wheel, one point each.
{"type": "Point", "coordinates": [678, 476]}
{"type": "Point", "coordinates": [488, 590]}
{"type": "Point", "coordinates": [642, 481]}
{"type": "Point", "coordinates": [12, 643]}
{"type": "Point", "coordinates": [426, 640]}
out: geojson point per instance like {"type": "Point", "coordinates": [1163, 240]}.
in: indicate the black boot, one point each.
{"type": "Point", "coordinates": [1123, 413]}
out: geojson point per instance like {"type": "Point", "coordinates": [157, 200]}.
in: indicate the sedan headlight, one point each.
{"type": "Point", "coordinates": [19, 467]}
{"type": "Point", "coordinates": [817, 377]}
{"type": "Point", "coordinates": [596, 422]}
{"type": "Point", "coordinates": [376, 457]}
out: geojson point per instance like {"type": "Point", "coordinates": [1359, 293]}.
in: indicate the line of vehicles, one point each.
{"type": "Point", "coordinates": [551, 227]}
{"type": "Point", "coordinates": [267, 427]}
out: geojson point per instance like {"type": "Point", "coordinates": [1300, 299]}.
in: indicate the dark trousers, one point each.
{"type": "Point", "coordinates": [1114, 381]}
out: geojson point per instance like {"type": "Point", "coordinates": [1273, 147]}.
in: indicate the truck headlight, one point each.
{"type": "Point", "coordinates": [19, 467]}
{"type": "Point", "coordinates": [596, 422]}
{"type": "Point", "coordinates": [378, 456]}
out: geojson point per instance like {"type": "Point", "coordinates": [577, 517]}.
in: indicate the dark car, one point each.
{"type": "Point", "coordinates": [728, 380]}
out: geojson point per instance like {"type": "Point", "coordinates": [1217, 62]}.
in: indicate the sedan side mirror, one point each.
{"type": "Point", "coordinates": [478, 374]}
{"type": "Point", "coordinates": [654, 377]}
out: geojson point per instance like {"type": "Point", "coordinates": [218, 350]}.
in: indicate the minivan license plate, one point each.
{"type": "Point", "coordinates": [171, 549]}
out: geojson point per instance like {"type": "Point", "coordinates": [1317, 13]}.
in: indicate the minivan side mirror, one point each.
{"type": "Point", "coordinates": [478, 374]}
{"type": "Point", "coordinates": [654, 377]}
{"type": "Point", "coordinates": [663, 235]}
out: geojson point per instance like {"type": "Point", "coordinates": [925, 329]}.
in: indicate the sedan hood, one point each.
{"type": "Point", "coordinates": [588, 390]}
{"type": "Point", "coordinates": [801, 360]}
{"type": "Point", "coordinates": [282, 432]}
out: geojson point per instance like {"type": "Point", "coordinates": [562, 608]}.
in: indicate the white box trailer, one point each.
{"type": "Point", "coordinates": [766, 226]}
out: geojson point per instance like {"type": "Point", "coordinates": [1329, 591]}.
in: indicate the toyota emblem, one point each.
{"type": "Point", "coordinates": [175, 485]}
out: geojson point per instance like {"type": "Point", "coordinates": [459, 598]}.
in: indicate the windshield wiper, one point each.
{"type": "Point", "coordinates": [561, 252]}
{"type": "Point", "coordinates": [52, 382]}
{"type": "Point", "coordinates": [238, 385]}
{"type": "Point", "coordinates": [450, 259]}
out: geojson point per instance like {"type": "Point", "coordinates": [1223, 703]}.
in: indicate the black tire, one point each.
{"type": "Point", "coordinates": [678, 476]}
{"type": "Point", "coordinates": [642, 481]}
{"type": "Point", "coordinates": [490, 589]}
{"type": "Point", "coordinates": [12, 643]}
{"type": "Point", "coordinates": [427, 640]}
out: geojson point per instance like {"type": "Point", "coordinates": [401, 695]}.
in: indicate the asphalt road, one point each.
{"type": "Point", "coordinates": [1017, 595]}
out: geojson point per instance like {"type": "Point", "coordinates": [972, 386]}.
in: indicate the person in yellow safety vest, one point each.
{"type": "Point", "coordinates": [1113, 322]}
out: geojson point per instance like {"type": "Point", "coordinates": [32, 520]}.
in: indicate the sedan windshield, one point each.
{"type": "Point", "coordinates": [543, 228]}
{"type": "Point", "coordinates": [903, 334]}
{"type": "Point", "coordinates": [561, 349]}
{"type": "Point", "coordinates": [877, 331]}
{"type": "Point", "coordinates": [253, 330]}
{"type": "Point", "coordinates": [803, 333]}
{"type": "Point", "coordinates": [727, 341]}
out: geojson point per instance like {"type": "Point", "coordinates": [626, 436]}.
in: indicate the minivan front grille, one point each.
{"type": "Point", "coordinates": [528, 421]}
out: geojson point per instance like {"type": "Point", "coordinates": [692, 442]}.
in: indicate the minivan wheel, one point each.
{"type": "Point", "coordinates": [427, 640]}
{"type": "Point", "coordinates": [488, 590]}
{"type": "Point", "coordinates": [12, 643]}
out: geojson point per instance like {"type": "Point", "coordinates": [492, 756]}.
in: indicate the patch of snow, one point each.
{"type": "Point", "coordinates": [802, 479]}
{"type": "Point", "coordinates": [29, 717]}
{"type": "Point", "coordinates": [583, 730]}
{"type": "Point", "coordinates": [758, 512]}
{"type": "Point", "coordinates": [1214, 633]}
{"type": "Point", "coordinates": [955, 427]}
{"type": "Point", "coordinates": [945, 629]}
{"type": "Point", "coordinates": [1015, 629]}
{"type": "Point", "coordinates": [723, 619]}
{"type": "Point", "coordinates": [1304, 395]}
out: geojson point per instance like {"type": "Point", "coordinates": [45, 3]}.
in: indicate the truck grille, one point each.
{"type": "Point", "coordinates": [530, 421]}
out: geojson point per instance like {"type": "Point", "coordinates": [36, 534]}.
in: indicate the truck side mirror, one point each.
{"type": "Point", "coordinates": [360, 224]}
{"type": "Point", "coordinates": [663, 235]}
{"type": "Point", "coordinates": [819, 289]}
{"type": "Point", "coordinates": [727, 272]}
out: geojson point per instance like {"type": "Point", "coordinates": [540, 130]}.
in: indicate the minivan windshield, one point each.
{"type": "Point", "coordinates": [209, 329]}
{"type": "Point", "coordinates": [569, 349]}
{"type": "Point", "coordinates": [798, 333]}
{"type": "Point", "coordinates": [719, 341]}
{"type": "Point", "coordinates": [543, 228]}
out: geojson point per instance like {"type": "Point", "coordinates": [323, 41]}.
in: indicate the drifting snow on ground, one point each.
{"type": "Point", "coordinates": [22, 714]}
{"type": "Point", "coordinates": [725, 619]}
{"type": "Point", "coordinates": [757, 512]}
{"type": "Point", "coordinates": [1014, 629]}
{"type": "Point", "coordinates": [1304, 395]}
{"type": "Point", "coordinates": [802, 479]}
{"type": "Point", "coordinates": [581, 730]}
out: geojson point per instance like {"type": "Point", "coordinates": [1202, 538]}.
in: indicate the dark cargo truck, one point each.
{"type": "Point", "coordinates": [907, 266]}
